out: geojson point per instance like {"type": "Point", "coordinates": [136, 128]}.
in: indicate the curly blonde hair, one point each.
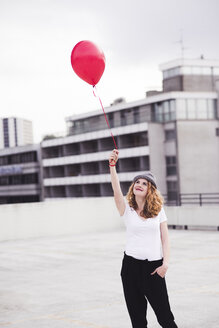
{"type": "Point", "coordinates": [153, 201]}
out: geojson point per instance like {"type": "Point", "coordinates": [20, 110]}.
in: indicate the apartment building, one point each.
{"type": "Point", "coordinates": [15, 132]}
{"type": "Point", "coordinates": [21, 174]}
{"type": "Point", "coordinates": [174, 133]}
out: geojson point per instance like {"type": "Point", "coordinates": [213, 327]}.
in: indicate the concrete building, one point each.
{"type": "Point", "coordinates": [15, 132]}
{"type": "Point", "coordinates": [173, 133]}
{"type": "Point", "coordinates": [21, 174]}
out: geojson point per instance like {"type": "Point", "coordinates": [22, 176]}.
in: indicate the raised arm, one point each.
{"type": "Point", "coordinates": [118, 196]}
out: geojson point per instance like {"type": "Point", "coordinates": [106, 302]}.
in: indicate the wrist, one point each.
{"type": "Point", "coordinates": [112, 163]}
{"type": "Point", "coordinates": [165, 264]}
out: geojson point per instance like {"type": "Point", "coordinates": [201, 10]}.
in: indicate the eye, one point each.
{"type": "Point", "coordinates": [145, 183]}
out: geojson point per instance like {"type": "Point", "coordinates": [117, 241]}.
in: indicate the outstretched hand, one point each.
{"type": "Point", "coordinates": [114, 156]}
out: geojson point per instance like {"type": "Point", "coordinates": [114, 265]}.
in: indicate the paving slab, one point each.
{"type": "Point", "coordinates": [74, 281]}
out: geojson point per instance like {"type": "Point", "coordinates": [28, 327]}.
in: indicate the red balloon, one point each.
{"type": "Point", "coordinates": [88, 61]}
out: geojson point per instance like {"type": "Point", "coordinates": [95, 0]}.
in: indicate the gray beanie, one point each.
{"type": "Point", "coordinates": [147, 176]}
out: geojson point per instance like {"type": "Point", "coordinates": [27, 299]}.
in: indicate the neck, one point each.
{"type": "Point", "coordinates": [140, 202]}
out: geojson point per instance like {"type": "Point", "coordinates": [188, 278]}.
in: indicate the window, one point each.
{"type": "Point", "coordinates": [30, 178]}
{"type": "Point", "coordinates": [136, 115]}
{"type": "Point", "coordinates": [186, 70]}
{"type": "Point", "coordinates": [171, 72]}
{"type": "Point", "coordinates": [216, 70]}
{"type": "Point", "coordinates": [123, 119]}
{"type": "Point", "coordinates": [169, 134]}
{"type": "Point", "coordinates": [166, 111]}
{"type": "Point", "coordinates": [111, 119]}
{"type": "Point", "coordinates": [16, 179]}
{"type": "Point", "coordinates": [181, 109]}
{"type": "Point", "coordinates": [206, 70]}
{"type": "Point", "coordinates": [172, 190]}
{"type": "Point", "coordinates": [212, 108]}
{"type": "Point", "coordinates": [28, 157]}
{"type": "Point", "coordinates": [196, 109]}
{"type": "Point", "coordinates": [4, 181]}
{"type": "Point", "coordinates": [202, 108]}
{"type": "Point", "coordinates": [191, 108]}
{"type": "Point", "coordinates": [217, 132]}
{"type": "Point", "coordinates": [3, 160]}
{"type": "Point", "coordinates": [196, 70]}
{"type": "Point", "coordinates": [158, 115]}
{"type": "Point", "coordinates": [170, 165]}
{"type": "Point", "coordinates": [15, 159]}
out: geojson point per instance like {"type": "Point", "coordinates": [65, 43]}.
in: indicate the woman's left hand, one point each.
{"type": "Point", "coordinates": [161, 270]}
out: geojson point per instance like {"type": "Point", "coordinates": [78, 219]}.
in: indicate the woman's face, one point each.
{"type": "Point", "coordinates": [140, 188]}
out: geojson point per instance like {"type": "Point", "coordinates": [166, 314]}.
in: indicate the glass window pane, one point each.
{"type": "Point", "coordinates": [166, 117]}
{"type": "Point", "coordinates": [170, 72]}
{"type": "Point", "coordinates": [211, 108]}
{"type": "Point", "coordinates": [158, 112]}
{"type": "Point", "coordinates": [172, 116]}
{"type": "Point", "coordinates": [202, 108]}
{"type": "Point", "coordinates": [206, 70]}
{"type": "Point", "coordinates": [216, 70]}
{"type": "Point", "coordinates": [165, 74]}
{"type": "Point", "coordinates": [166, 106]}
{"type": "Point", "coordinates": [191, 108]}
{"type": "Point", "coordinates": [186, 70]}
{"type": "Point", "coordinates": [181, 109]}
{"type": "Point", "coordinates": [197, 70]}
{"type": "Point", "coordinates": [159, 108]}
{"type": "Point", "coordinates": [172, 105]}
{"type": "Point", "coordinates": [176, 71]}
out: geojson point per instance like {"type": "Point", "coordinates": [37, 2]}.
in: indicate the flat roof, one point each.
{"type": "Point", "coordinates": [189, 62]}
{"type": "Point", "coordinates": [19, 149]}
{"type": "Point", "coordinates": [146, 101]}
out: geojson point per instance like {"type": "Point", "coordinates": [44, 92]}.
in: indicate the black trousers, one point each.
{"type": "Point", "coordinates": [140, 286]}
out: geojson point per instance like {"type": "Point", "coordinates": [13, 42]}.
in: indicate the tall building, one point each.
{"type": "Point", "coordinates": [174, 133]}
{"type": "Point", "coordinates": [15, 132]}
{"type": "Point", "coordinates": [21, 174]}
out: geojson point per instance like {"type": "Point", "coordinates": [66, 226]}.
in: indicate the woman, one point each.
{"type": "Point", "coordinates": [147, 252]}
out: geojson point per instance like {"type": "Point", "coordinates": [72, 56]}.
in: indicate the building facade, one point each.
{"type": "Point", "coordinates": [15, 132]}
{"type": "Point", "coordinates": [21, 175]}
{"type": "Point", "coordinates": [173, 133]}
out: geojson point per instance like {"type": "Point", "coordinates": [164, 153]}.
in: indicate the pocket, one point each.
{"type": "Point", "coordinates": [159, 276]}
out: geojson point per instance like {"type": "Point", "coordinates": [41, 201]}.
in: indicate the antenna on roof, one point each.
{"type": "Point", "coordinates": [181, 42]}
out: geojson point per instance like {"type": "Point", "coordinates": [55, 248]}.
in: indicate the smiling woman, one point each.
{"type": "Point", "coordinates": [144, 186]}
{"type": "Point", "coordinates": [146, 255]}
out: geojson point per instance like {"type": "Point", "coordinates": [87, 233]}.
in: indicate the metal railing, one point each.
{"type": "Point", "coordinates": [200, 199]}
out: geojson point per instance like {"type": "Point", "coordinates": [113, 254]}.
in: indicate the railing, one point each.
{"type": "Point", "coordinates": [193, 199]}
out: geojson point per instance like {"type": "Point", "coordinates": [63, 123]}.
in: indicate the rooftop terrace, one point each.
{"type": "Point", "coordinates": [74, 281]}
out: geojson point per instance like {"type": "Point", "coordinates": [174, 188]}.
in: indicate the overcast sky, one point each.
{"type": "Point", "coordinates": [36, 39]}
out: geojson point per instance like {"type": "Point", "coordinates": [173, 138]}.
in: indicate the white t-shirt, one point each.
{"type": "Point", "coordinates": [143, 240]}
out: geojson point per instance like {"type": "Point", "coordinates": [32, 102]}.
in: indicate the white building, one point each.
{"type": "Point", "coordinates": [173, 133]}
{"type": "Point", "coordinates": [15, 132]}
{"type": "Point", "coordinates": [21, 174]}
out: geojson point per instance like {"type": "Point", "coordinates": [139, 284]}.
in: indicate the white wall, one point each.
{"type": "Point", "coordinates": [83, 215]}
{"type": "Point", "coordinates": [198, 154]}
{"type": "Point", "coordinates": [157, 155]}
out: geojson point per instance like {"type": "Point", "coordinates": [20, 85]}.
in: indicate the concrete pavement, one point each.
{"type": "Point", "coordinates": [74, 281]}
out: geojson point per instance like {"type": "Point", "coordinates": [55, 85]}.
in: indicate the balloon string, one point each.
{"type": "Point", "coordinates": [96, 95]}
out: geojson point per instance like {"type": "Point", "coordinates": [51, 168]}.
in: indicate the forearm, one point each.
{"type": "Point", "coordinates": [115, 180]}
{"type": "Point", "coordinates": [166, 251]}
